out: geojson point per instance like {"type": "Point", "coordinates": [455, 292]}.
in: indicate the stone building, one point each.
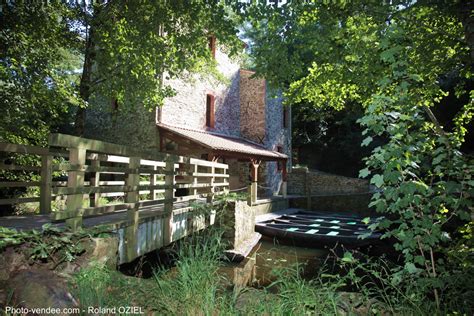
{"type": "Point", "coordinates": [236, 119]}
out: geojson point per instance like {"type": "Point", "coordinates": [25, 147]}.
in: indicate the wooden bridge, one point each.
{"type": "Point", "coordinates": [147, 197]}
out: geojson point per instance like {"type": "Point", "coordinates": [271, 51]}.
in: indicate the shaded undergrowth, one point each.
{"type": "Point", "coordinates": [193, 285]}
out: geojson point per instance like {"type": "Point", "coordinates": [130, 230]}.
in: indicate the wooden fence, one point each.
{"type": "Point", "coordinates": [80, 178]}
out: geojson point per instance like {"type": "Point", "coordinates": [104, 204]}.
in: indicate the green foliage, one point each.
{"type": "Point", "coordinates": [51, 244]}
{"type": "Point", "coordinates": [392, 60]}
{"type": "Point", "coordinates": [141, 41]}
{"type": "Point", "coordinates": [37, 71]}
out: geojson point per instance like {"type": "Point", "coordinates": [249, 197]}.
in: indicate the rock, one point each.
{"type": "Point", "coordinates": [39, 289]}
{"type": "Point", "coordinates": [98, 251]}
{"type": "Point", "coordinates": [105, 251]}
{"type": "Point", "coordinates": [12, 259]}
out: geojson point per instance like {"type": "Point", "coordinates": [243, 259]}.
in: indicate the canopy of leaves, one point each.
{"type": "Point", "coordinates": [393, 58]}
{"type": "Point", "coordinates": [38, 57]}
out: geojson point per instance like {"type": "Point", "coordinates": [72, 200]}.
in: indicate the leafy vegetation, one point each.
{"type": "Point", "coordinates": [51, 244]}
{"type": "Point", "coordinates": [395, 61]}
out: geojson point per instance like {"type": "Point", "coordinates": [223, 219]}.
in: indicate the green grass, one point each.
{"type": "Point", "coordinates": [194, 286]}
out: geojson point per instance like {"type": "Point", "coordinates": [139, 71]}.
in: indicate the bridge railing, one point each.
{"type": "Point", "coordinates": [88, 174]}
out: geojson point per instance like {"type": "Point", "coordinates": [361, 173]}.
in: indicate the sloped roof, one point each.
{"type": "Point", "coordinates": [224, 143]}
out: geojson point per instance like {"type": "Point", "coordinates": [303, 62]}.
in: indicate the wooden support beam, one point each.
{"type": "Point", "coordinates": [46, 181]}
{"type": "Point", "coordinates": [133, 180]}
{"type": "Point", "coordinates": [94, 198]}
{"type": "Point", "coordinates": [169, 195]}
{"type": "Point", "coordinates": [254, 164]}
{"type": "Point", "coordinates": [77, 156]}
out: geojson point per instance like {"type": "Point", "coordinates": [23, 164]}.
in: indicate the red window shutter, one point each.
{"type": "Point", "coordinates": [210, 116]}
{"type": "Point", "coordinates": [212, 45]}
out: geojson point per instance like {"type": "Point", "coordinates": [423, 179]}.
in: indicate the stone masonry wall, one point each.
{"type": "Point", "coordinates": [188, 107]}
{"type": "Point", "coordinates": [128, 127]}
{"type": "Point", "coordinates": [238, 221]}
{"type": "Point", "coordinates": [321, 183]}
{"type": "Point", "coordinates": [252, 107]}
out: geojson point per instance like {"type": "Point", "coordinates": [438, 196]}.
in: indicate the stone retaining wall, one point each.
{"type": "Point", "coordinates": [302, 181]}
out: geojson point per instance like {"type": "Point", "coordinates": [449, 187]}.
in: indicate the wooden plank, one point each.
{"type": "Point", "coordinates": [77, 156]}
{"type": "Point", "coordinates": [193, 185]}
{"type": "Point", "coordinates": [106, 189]}
{"type": "Point", "coordinates": [215, 175]}
{"type": "Point", "coordinates": [212, 190]}
{"type": "Point", "coordinates": [24, 149]}
{"type": "Point", "coordinates": [207, 163]}
{"type": "Point", "coordinates": [94, 199]}
{"type": "Point", "coordinates": [132, 197]}
{"type": "Point", "coordinates": [69, 141]}
{"type": "Point", "coordinates": [168, 207]}
{"type": "Point", "coordinates": [19, 200]}
{"type": "Point", "coordinates": [220, 184]}
{"type": "Point", "coordinates": [45, 188]}
{"type": "Point", "coordinates": [14, 184]}
{"type": "Point", "coordinates": [18, 167]}
{"type": "Point", "coordinates": [105, 169]}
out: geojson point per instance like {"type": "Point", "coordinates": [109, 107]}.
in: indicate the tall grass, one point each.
{"type": "Point", "coordinates": [194, 286]}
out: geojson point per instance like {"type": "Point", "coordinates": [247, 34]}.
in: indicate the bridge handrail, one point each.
{"type": "Point", "coordinates": [161, 175]}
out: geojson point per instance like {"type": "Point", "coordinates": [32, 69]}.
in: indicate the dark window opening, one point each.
{"type": "Point", "coordinates": [210, 110]}
{"type": "Point", "coordinates": [212, 45]}
{"type": "Point", "coordinates": [280, 163]}
{"type": "Point", "coordinates": [285, 117]}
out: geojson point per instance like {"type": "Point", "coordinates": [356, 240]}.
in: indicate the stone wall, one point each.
{"type": "Point", "coordinates": [188, 107]}
{"type": "Point", "coordinates": [350, 203]}
{"type": "Point", "coordinates": [252, 107]}
{"type": "Point", "coordinates": [238, 221]}
{"type": "Point", "coordinates": [126, 126]}
{"type": "Point", "coordinates": [244, 107]}
{"type": "Point", "coordinates": [321, 183]}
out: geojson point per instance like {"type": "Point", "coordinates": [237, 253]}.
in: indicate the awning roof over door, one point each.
{"type": "Point", "coordinates": [220, 144]}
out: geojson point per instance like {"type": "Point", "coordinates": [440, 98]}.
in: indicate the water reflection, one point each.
{"type": "Point", "coordinates": [256, 269]}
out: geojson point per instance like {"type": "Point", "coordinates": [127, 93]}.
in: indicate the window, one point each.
{"type": "Point", "coordinates": [212, 45]}
{"type": "Point", "coordinates": [210, 110]}
{"type": "Point", "coordinates": [280, 163]}
{"type": "Point", "coordinates": [285, 116]}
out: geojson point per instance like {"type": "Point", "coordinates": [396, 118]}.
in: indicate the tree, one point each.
{"type": "Point", "coordinates": [121, 51]}
{"type": "Point", "coordinates": [393, 59]}
{"type": "Point", "coordinates": [37, 62]}
{"type": "Point", "coordinates": [129, 46]}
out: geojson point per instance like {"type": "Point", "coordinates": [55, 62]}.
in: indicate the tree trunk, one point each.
{"type": "Point", "coordinates": [85, 84]}
{"type": "Point", "coordinates": [466, 12]}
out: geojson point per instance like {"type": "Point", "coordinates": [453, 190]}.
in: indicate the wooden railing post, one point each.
{"type": "Point", "coordinates": [212, 189]}
{"type": "Point", "coordinates": [75, 179]}
{"type": "Point", "coordinates": [168, 205]}
{"type": "Point", "coordinates": [132, 180]}
{"type": "Point", "coordinates": [193, 168]}
{"type": "Point", "coordinates": [46, 181]}
{"type": "Point", "coordinates": [95, 182]}
{"type": "Point", "coordinates": [153, 181]}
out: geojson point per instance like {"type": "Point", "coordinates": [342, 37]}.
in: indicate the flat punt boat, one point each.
{"type": "Point", "coordinates": [320, 229]}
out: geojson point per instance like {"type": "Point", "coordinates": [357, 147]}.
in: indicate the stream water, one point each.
{"type": "Point", "coordinates": [258, 268]}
